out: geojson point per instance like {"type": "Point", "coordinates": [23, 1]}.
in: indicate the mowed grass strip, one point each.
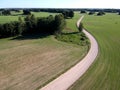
{"type": "Point", "coordinates": [30, 63]}
{"type": "Point", "coordinates": [104, 74]}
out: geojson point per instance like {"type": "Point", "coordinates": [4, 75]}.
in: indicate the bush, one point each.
{"type": "Point", "coordinates": [26, 12]}
{"type": "Point", "coordinates": [68, 14]}
{"type": "Point", "coordinates": [101, 13]}
{"type": "Point", "coordinates": [118, 13]}
{"type": "Point", "coordinates": [91, 13]}
{"type": "Point", "coordinates": [83, 11]}
{"type": "Point", "coordinates": [80, 28]}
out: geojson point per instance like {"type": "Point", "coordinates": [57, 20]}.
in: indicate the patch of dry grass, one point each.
{"type": "Point", "coordinates": [29, 64]}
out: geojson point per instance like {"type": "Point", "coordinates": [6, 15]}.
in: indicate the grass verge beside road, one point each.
{"type": "Point", "coordinates": [104, 73]}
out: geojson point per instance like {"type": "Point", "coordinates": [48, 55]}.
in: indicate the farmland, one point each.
{"type": "Point", "coordinates": [30, 62]}
{"type": "Point", "coordinates": [104, 73]}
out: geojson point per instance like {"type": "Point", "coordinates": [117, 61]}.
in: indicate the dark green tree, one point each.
{"type": "Point", "coordinates": [65, 14]}
{"type": "Point", "coordinates": [119, 13]}
{"type": "Point", "coordinates": [91, 13]}
{"type": "Point", "coordinates": [68, 14]}
{"type": "Point", "coordinates": [71, 14]}
{"type": "Point", "coordinates": [50, 22]}
{"type": "Point", "coordinates": [28, 24]}
{"type": "Point", "coordinates": [80, 28]}
{"type": "Point", "coordinates": [20, 26]}
{"type": "Point", "coordinates": [59, 23]}
{"type": "Point", "coordinates": [2, 31]}
{"type": "Point", "coordinates": [82, 11]}
{"type": "Point", "coordinates": [6, 12]}
{"type": "Point", "coordinates": [26, 12]}
{"type": "Point", "coordinates": [100, 13]}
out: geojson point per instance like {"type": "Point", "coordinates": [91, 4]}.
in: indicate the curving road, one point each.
{"type": "Point", "coordinates": [64, 81]}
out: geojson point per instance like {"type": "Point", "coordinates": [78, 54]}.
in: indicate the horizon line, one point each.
{"type": "Point", "coordinates": [51, 8]}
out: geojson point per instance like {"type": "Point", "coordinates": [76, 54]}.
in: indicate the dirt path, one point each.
{"type": "Point", "coordinates": [64, 81]}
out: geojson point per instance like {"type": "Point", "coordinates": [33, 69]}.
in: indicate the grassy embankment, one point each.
{"type": "Point", "coordinates": [29, 62]}
{"type": "Point", "coordinates": [104, 74]}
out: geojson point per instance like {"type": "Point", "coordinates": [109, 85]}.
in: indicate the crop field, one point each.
{"type": "Point", "coordinates": [30, 62]}
{"type": "Point", "coordinates": [104, 74]}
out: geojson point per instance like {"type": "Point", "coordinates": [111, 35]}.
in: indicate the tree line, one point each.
{"type": "Point", "coordinates": [5, 12]}
{"type": "Point", "coordinates": [66, 13]}
{"type": "Point", "coordinates": [33, 25]}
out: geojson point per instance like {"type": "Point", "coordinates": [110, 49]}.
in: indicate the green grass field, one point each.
{"type": "Point", "coordinates": [71, 23]}
{"type": "Point", "coordinates": [104, 74]}
{"type": "Point", "coordinates": [14, 16]}
{"type": "Point", "coordinates": [30, 62]}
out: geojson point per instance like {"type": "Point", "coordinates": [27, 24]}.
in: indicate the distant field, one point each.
{"type": "Point", "coordinates": [104, 74]}
{"type": "Point", "coordinates": [5, 19]}
{"type": "Point", "coordinates": [71, 23]}
{"type": "Point", "coordinates": [28, 63]}
{"type": "Point", "coordinates": [14, 16]}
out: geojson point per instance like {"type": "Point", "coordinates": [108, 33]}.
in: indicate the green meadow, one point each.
{"type": "Point", "coordinates": [104, 74]}
{"type": "Point", "coordinates": [14, 16]}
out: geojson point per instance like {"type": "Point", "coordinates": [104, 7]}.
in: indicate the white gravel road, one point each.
{"type": "Point", "coordinates": [64, 81]}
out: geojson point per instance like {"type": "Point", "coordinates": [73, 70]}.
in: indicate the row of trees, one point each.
{"type": "Point", "coordinates": [5, 12]}
{"type": "Point", "coordinates": [100, 13]}
{"type": "Point", "coordinates": [33, 25]}
{"type": "Point", "coordinates": [8, 12]}
{"type": "Point", "coordinates": [66, 13]}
